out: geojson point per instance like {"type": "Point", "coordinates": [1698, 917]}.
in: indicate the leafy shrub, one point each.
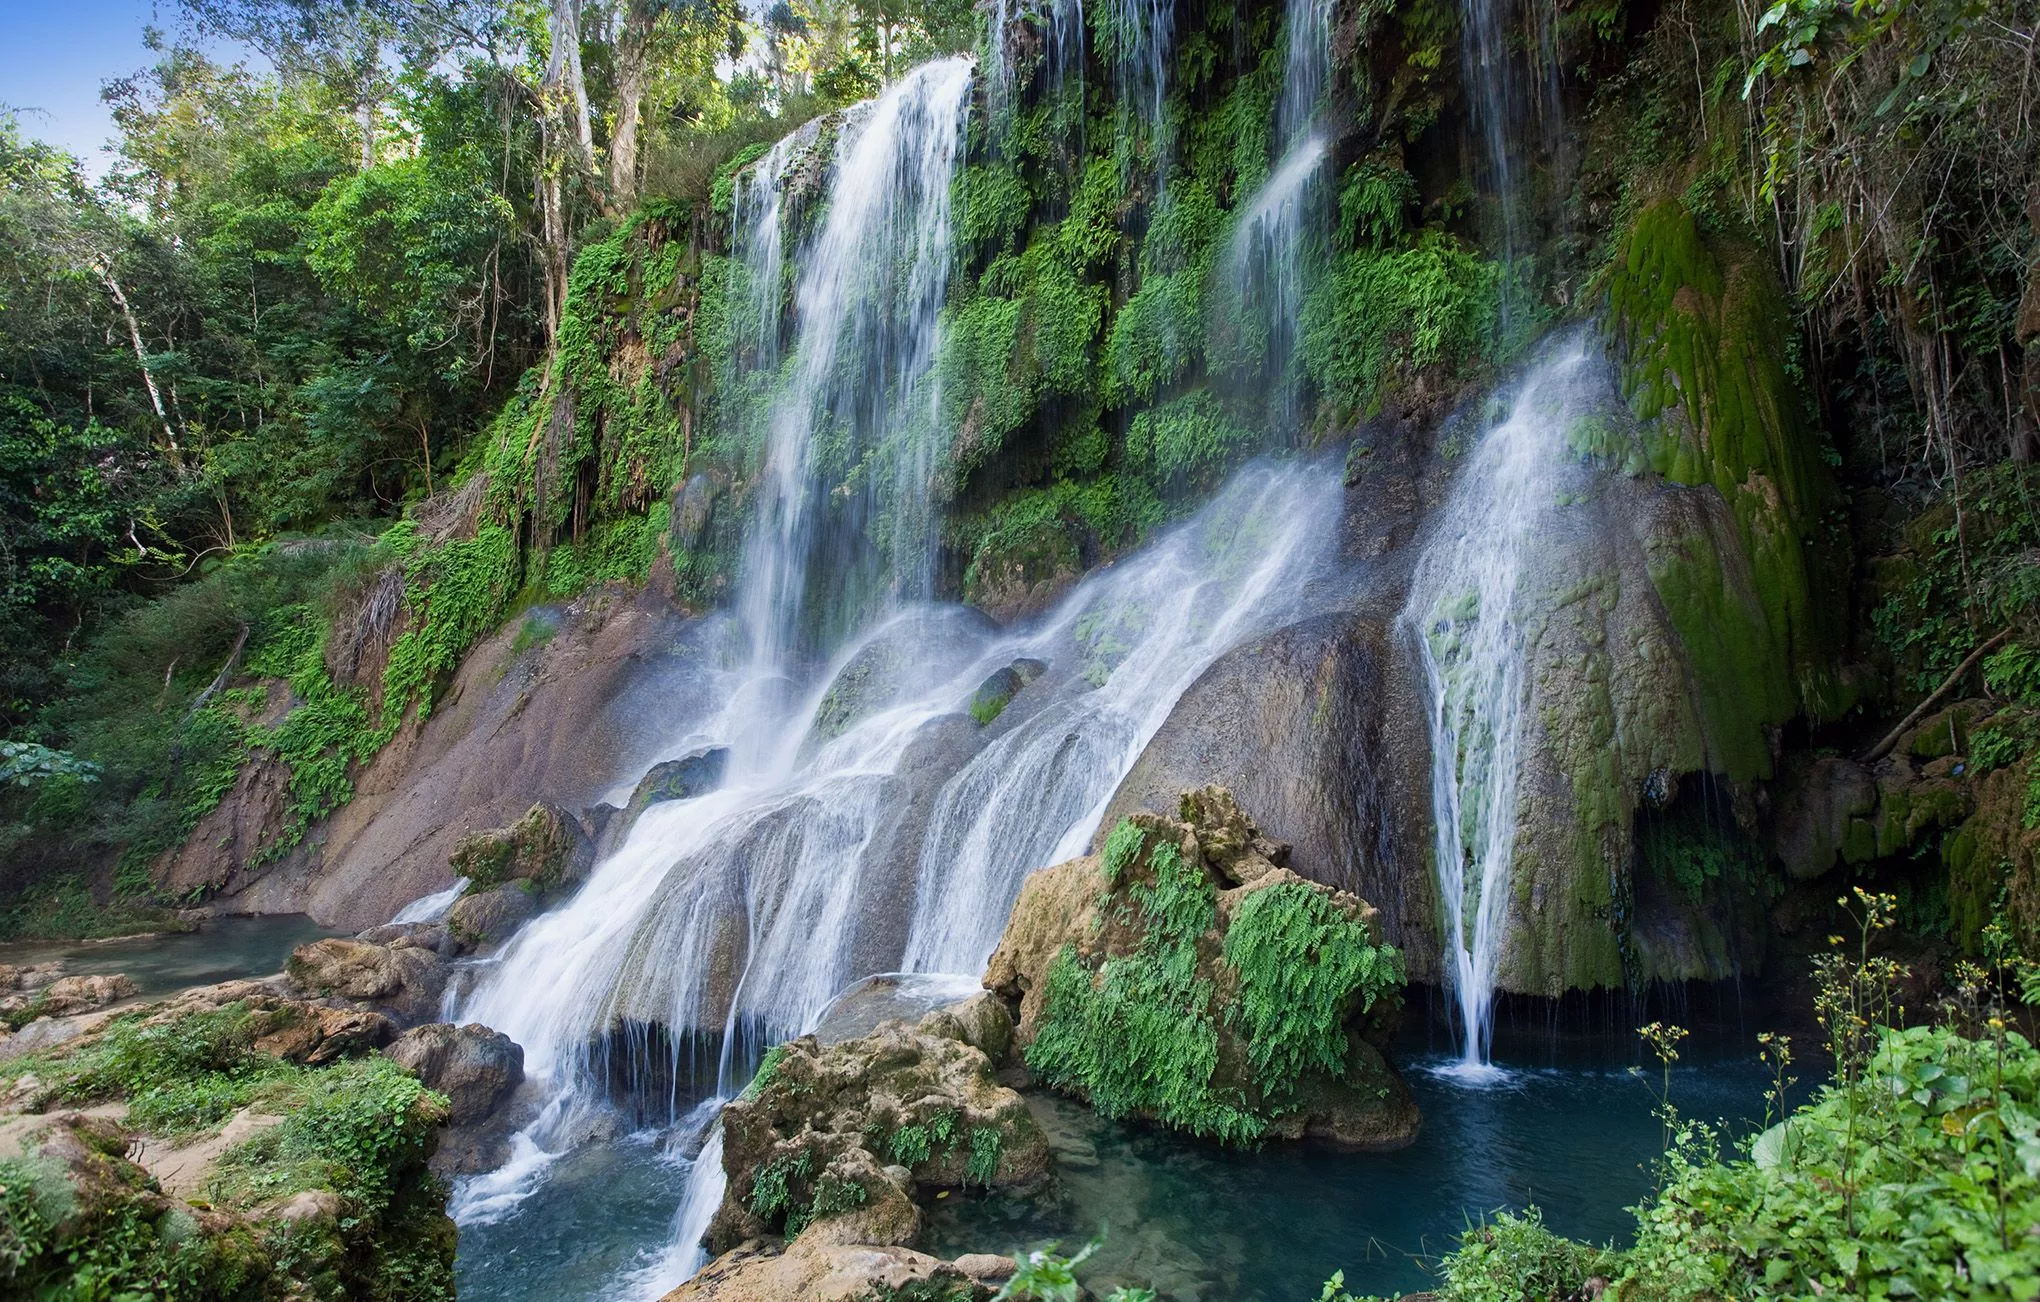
{"type": "Point", "coordinates": [1139, 1035]}
{"type": "Point", "coordinates": [1379, 318]}
{"type": "Point", "coordinates": [1302, 967]}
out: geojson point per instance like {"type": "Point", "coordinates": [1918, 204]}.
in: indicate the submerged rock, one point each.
{"type": "Point", "coordinates": [1185, 976]}
{"type": "Point", "coordinates": [836, 1141]}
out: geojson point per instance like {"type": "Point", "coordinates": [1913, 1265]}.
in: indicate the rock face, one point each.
{"type": "Point", "coordinates": [526, 720]}
{"type": "Point", "coordinates": [1186, 975]}
{"type": "Point", "coordinates": [1317, 728]}
{"type": "Point", "coordinates": [474, 1067]}
{"type": "Point", "coordinates": [834, 1142]}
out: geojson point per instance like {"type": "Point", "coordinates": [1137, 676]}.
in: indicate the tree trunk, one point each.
{"type": "Point", "coordinates": [632, 46]}
{"type": "Point", "coordinates": [565, 86]}
{"type": "Point", "coordinates": [134, 329]}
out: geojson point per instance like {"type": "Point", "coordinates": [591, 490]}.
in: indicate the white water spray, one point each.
{"type": "Point", "coordinates": [1471, 597]}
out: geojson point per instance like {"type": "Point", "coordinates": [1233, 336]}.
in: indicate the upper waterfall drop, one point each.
{"type": "Point", "coordinates": [1471, 599]}
{"type": "Point", "coordinates": [856, 400]}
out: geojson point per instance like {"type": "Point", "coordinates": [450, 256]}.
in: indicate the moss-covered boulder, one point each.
{"type": "Point", "coordinates": [1702, 324]}
{"type": "Point", "coordinates": [837, 1141]}
{"type": "Point", "coordinates": [1185, 975]}
{"type": "Point", "coordinates": [545, 847]}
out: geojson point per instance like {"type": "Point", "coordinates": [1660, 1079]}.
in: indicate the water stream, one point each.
{"type": "Point", "coordinates": [1469, 604]}
{"type": "Point", "coordinates": [1279, 240]}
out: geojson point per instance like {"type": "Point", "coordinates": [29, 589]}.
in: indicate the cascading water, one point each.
{"type": "Point", "coordinates": [728, 921]}
{"type": "Point", "coordinates": [1470, 600]}
{"type": "Point", "coordinates": [1143, 632]}
{"type": "Point", "coordinates": [1278, 239]}
{"type": "Point", "coordinates": [857, 401]}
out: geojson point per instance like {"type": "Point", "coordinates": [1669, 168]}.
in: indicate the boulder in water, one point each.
{"type": "Point", "coordinates": [1150, 983]}
{"type": "Point", "coordinates": [997, 691]}
{"type": "Point", "coordinates": [835, 1140]}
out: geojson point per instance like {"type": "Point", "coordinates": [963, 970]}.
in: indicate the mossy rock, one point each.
{"type": "Point", "coordinates": [1185, 976]}
{"type": "Point", "coordinates": [1703, 327]}
{"type": "Point", "coordinates": [540, 847]}
{"type": "Point", "coordinates": [850, 1132]}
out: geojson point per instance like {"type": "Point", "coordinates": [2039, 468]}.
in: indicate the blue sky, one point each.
{"type": "Point", "coordinates": [54, 54]}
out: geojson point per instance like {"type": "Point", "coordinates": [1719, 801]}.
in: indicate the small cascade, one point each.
{"type": "Point", "coordinates": [1061, 23]}
{"type": "Point", "coordinates": [1142, 631]}
{"type": "Point", "coordinates": [1279, 238]}
{"type": "Point", "coordinates": [1143, 36]}
{"type": "Point", "coordinates": [1470, 600]}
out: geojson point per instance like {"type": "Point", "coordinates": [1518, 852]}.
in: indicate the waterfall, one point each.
{"type": "Point", "coordinates": [1143, 631]}
{"type": "Point", "coordinates": [1279, 237]}
{"type": "Point", "coordinates": [858, 402]}
{"type": "Point", "coordinates": [1472, 596]}
{"type": "Point", "coordinates": [1062, 23]}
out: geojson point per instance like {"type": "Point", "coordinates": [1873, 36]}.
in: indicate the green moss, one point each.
{"type": "Point", "coordinates": [1378, 319]}
{"type": "Point", "coordinates": [1706, 342]}
{"type": "Point", "coordinates": [1187, 443]}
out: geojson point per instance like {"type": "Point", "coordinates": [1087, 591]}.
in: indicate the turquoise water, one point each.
{"type": "Point", "coordinates": [1573, 1134]}
{"type": "Point", "coordinates": [1575, 1138]}
{"type": "Point", "coordinates": [224, 949]}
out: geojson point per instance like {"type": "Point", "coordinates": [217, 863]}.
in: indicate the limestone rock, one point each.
{"type": "Point", "coordinates": [545, 847]}
{"type": "Point", "coordinates": [29, 976]}
{"type": "Point", "coordinates": [693, 774]}
{"type": "Point", "coordinates": [855, 1127]}
{"type": "Point", "coordinates": [482, 918]}
{"type": "Point", "coordinates": [816, 1271]}
{"type": "Point", "coordinates": [404, 981]}
{"type": "Point", "coordinates": [317, 1036]}
{"type": "Point", "coordinates": [997, 691]}
{"type": "Point", "coordinates": [67, 997]}
{"type": "Point", "coordinates": [1822, 807]}
{"type": "Point", "coordinates": [475, 1067]}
